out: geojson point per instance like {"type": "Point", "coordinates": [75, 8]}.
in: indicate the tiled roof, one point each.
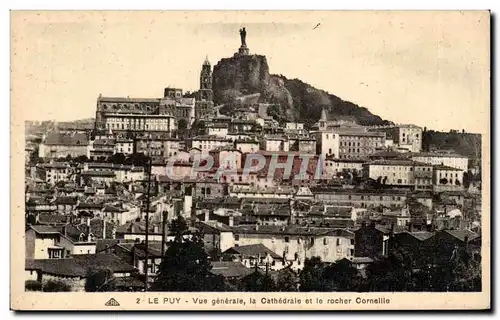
{"type": "Point", "coordinates": [56, 165]}
{"type": "Point", "coordinates": [52, 219]}
{"type": "Point", "coordinates": [230, 269]}
{"type": "Point", "coordinates": [253, 250]}
{"type": "Point", "coordinates": [361, 260]}
{"type": "Point", "coordinates": [338, 211]}
{"type": "Point", "coordinates": [154, 249]}
{"type": "Point", "coordinates": [446, 168]}
{"type": "Point", "coordinates": [217, 225]}
{"type": "Point", "coordinates": [461, 234]}
{"type": "Point", "coordinates": [211, 138]}
{"type": "Point", "coordinates": [78, 265]}
{"type": "Point", "coordinates": [129, 100]}
{"type": "Point", "coordinates": [89, 205]}
{"type": "Point", "coordinates": [397, 162]}
{"type": "Point", "coordinates": [34, 200]}
{"type": "Point", "coordinates": [66, 200]}
{"type": "Point", "coordinates": [133, 227]}
{"type": "Point", "coordinates": [96, 173]}
{"type": "Point", "coordinates": [438, 155]}
{"type": "Point", "coordinates": [42, 229]}
{"type": "Point", "coordinates": [104, 244]}
{"type": "Point", "coordinates": [422, 194]}
{"type": "Point", "coordinates": [421, 235]}
{"type": "Point", "coordinates": [111, 208]}
{"type": "Point", "coordinates": [284, 230]}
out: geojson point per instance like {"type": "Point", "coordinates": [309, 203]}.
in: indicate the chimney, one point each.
{"type": "Point", "coordinates": [231, 220]}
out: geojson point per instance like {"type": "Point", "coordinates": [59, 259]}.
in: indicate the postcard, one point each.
{"type": "Point", "coordinates": [250, 160]}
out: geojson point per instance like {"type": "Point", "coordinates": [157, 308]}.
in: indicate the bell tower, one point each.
{"type": "Point", "coordinates": [206, 92]}
{"type": "Point", "coordinates": [204, 99]}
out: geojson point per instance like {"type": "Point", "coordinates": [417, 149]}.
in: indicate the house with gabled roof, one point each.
{"type": "Point", "coordinates": [73, 271]}
{"type": "Point", "coordinates": [255, 255]}
{"type": "Point", "coordinates": [48, 242]}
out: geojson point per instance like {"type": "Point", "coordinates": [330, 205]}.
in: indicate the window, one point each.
{"type": "Point", "coordinates": [236, 237]}
{"type": "Point", "coordinates": [338, 241]}
{"type": "Point", "coordinates": [299, 240]}
{"type": "Point", "coordinates": [287, 239]}
{"type": "Point", "coordinates": [325, 241]}
{"type": "Point", "coordinates": [312, 241]}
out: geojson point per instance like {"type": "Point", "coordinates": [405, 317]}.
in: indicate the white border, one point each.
{"type": "Point", "coordinates": [191, 5]}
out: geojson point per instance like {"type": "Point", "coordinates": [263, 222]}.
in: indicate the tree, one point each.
{"type": "Point", "coordinates": [137, 159]}
{"type": "Point", "coordinates": [311, 277]}
{"type": "Point", "coordinates": [258, 281]}
{"type": "Point", "coordinates": [182, 126]}
{"type": "Point", "coordinates": [341, 276]}
{"type": "Point", "coordinates": [82, 159]}
{"type": "Point", "coordinates": [186, 265]}
{"type": "Point", "coordinates": [32, 285]}
{"type": "Point", "coordinates": [99, 280]}
{"type": "Point", "coordinates": [391, 273]}
{"type": "Point", "coordinates": [287, 280]}
{"type": "Point", "coordinates": [56, 286]}
{"type": "Point", "coordinates": [117, 158]}
{"type": "Point", "coordinates": [418, 210]}
{"type": "Point", "coordinates": [34, 158]}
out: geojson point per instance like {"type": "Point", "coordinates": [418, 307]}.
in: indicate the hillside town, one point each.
{"type": "Point", "coordinates": [110, 201]}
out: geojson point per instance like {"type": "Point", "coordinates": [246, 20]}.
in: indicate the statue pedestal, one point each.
{"type": "Point", "coordinates": [243, 51]}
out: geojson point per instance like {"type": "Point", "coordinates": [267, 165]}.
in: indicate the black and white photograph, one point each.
{"type": "Point", "coordinates": [345, 154]}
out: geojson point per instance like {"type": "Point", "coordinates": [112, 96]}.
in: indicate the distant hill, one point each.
{"type": "Point", "coordinates": [298, 101]}
{"type": "Point", "coordinates": [466, 144]}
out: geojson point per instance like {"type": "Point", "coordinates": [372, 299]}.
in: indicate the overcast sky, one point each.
{"type": "Point", "coordinates": [431, 69]}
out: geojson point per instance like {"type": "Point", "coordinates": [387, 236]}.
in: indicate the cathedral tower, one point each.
{"type": "Point", "coordinates": [206, 92]}
{"type": "Point", "coordinates": [204, 98]}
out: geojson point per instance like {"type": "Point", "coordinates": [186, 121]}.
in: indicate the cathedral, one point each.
{"type": "Point", "coordinates": [163, 115]}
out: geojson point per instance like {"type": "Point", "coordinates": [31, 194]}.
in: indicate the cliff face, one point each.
{"type": "Point", "coordinates": [243, 75]}
{"type": "Point", "coordinates": [239, 76]}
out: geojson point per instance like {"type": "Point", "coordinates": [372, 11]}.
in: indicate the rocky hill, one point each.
{"type": "Point", "coordinates": [298, 101]}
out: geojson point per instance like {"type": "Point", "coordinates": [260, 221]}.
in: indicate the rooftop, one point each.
{"type": "Point", "coordinates": [253, 250]}
{"type": "Point", "coordinates": [78, 265]}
